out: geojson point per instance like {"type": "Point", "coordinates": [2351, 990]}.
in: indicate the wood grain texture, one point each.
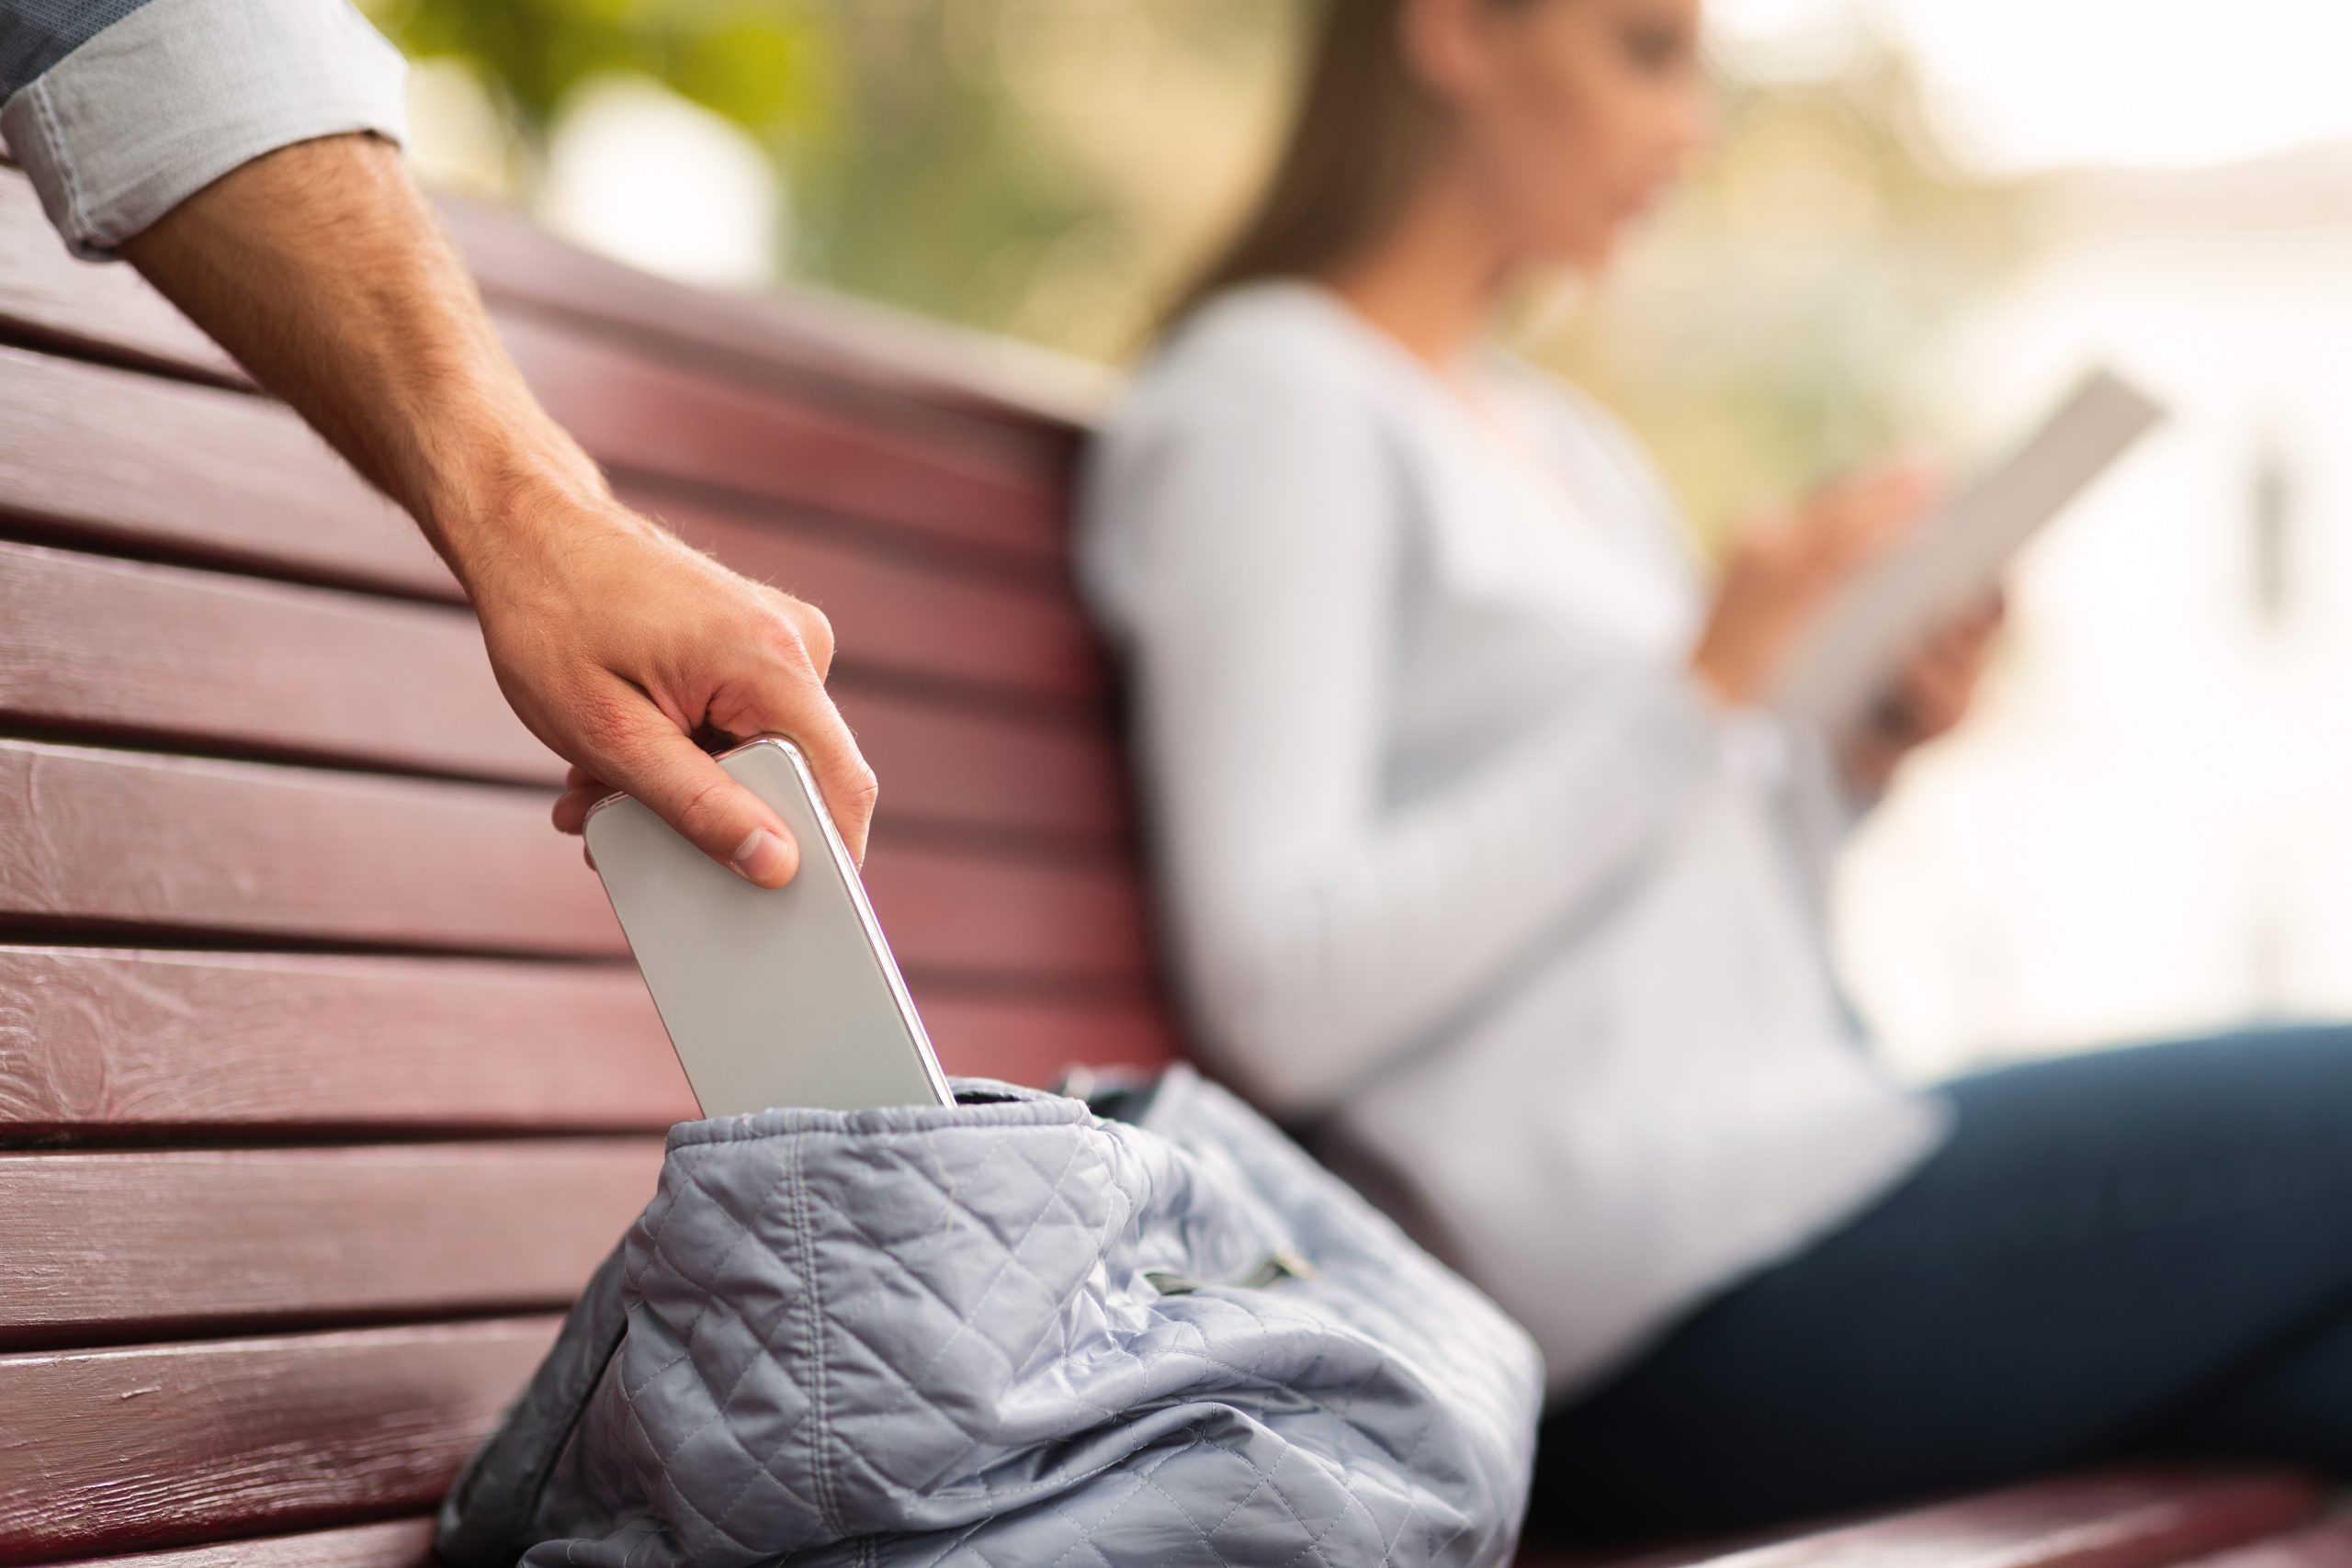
{"type": "Point", "coordinates": [118, 647]}
{"type": "Point", "coordinates": [161, 1243]}
{"type": "Point", "coordinates": [89, 835]}
{"type": "Point", "coordinates": [164, 652]}
{"type": "Point", "coordinates": [99, 1038]}
{"type": "Point", "coordinates": [903, 613]}
{"type": "Point", "coordinates": [2326, 1545]}
{"type": "Point", "coordinates": [396, 1543]}
{"type": "Point", "coordinates": [136, 462]}
{"type": "Point", "coordinates": [113, 1451]}
{"type": "Point", "coordinates": [46, 296]}
{"type": "Point", "coordinates": [1036, 1040]}
{"type": "Point", "coordinates": [130, 840]}
{"type": "Point", "coordinates": [897, 368]}
{"type": "Point", "coordinates": [137, 465]}
{"type": "Point", "coordinates": [97, 1041]}
{"type": "Point", "coordinates": [637, 409]}
{"type": "Point", "coordinates": [953, 385]}
{"type": "Point", "coordinates": [654, 416]}
{"type": "Point", "coordinates": [2125, 1518]}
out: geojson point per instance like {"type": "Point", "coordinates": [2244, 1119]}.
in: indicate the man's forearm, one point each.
{"type": "Point", "coordinates": [323, 270]}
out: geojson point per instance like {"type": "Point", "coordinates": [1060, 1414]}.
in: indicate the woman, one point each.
{"type": "Point", "coordinates": [1482, 863]}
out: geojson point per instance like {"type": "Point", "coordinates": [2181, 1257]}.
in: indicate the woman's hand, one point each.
{"type": "Point", "coordinates": [621, 644]}
{"type": "Point", "coordinates": [1783, 572]}
{"type": "Point", "coordinates": [1928, 699]}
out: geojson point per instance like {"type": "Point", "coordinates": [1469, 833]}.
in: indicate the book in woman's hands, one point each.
{"type": "Point", "coordinates": [1956, 557]}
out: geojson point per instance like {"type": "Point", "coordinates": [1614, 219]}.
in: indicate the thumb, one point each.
{"type": "Point", "coordinates": [657, 763]}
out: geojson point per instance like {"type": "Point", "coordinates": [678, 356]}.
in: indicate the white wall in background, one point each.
{"type": "Point", "coordinates": [2149, 827]}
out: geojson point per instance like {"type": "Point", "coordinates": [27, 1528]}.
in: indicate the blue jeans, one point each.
{"type": "Point", "coordinates": [2135, 1253]}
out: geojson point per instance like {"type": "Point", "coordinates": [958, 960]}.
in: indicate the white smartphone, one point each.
{"type": "Point", "coordinates": [772, 997]}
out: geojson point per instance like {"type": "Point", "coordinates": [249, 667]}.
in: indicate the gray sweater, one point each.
{"type": "Point", "coordinates": [1460, 868]}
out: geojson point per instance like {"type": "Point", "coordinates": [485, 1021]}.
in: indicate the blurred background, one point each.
{"type": "Point", "coordinates": [1922, 219]}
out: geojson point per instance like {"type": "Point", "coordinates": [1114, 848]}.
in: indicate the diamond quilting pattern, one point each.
{"type": "Point", "coordinates": [925, 1337]}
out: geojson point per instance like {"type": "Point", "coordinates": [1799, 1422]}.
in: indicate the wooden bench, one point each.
{"type": "Point", "coordinates": [324, 1078]}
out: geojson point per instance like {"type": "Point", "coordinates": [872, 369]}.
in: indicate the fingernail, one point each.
{"type": "Point", "coordinates": [761, 858]}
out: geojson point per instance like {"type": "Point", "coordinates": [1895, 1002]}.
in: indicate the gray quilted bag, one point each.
{"type": "Point", "coordinates": [1011, 1334]}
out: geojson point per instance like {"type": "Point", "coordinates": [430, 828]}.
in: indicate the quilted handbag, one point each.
{"type": "Point", "coordinates": [1010, 1333]}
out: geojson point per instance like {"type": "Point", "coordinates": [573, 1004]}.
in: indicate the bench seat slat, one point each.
{"type": "Point", "coordinates": [901, 371]}
{"type": "Point", "coordinates": [169, 844]}
{"type": "Point", "coordinates": [2324, 1545]}
{"type": "Point", "coordinates": [99, 1042]}
{"type": "Point", "coordinates": [932, 383]}
{"type": "Point", "coordinates": [224, 662]}
{"type": "Point", "coordinates": [645, 415]}
{"type": "Point", "coordinates": [131, 463]}
{"type": "Point", "coordinates": [2124, 1519]}
{"type": "Point", "coordinates": [161, 1243]}
{"type": "Point", "coordinates": [47, 295]}
{"type": "Point", "coordinates": [395, 1543]}
{"type": "Point", "coordinates": [114, 1450]}
{"type": "Point", "coordinates": [642, 411]}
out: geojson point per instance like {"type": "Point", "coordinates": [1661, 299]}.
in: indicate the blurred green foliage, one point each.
{"type": "Point", "coordinates": [1049, 167]}
{"type": "Point", "coordinates": [766, 64]}
{"type": "Point", "coordinates": [916, 174]}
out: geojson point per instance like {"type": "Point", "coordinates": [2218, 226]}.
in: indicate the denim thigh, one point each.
{"type": "Point", "coordinates": [2110, 1253]}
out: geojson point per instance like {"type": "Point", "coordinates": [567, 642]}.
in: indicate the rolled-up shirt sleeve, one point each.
{"type": "Point", "coordinates": [119, 110]}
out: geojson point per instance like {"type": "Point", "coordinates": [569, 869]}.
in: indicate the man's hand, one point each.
{"type": "Point", "coordinates": [325, 272]}
{"type": "Point", "coordinates": [621, 645]}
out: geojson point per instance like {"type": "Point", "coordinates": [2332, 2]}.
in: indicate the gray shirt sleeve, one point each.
{"type": "Point", "coordinates": [119, 110]}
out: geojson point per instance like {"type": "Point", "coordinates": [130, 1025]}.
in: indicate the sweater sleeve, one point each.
{"type": "Point", "coordinates": [1250, 551]}
{"type": "Point", "coordinates": [119, 110]}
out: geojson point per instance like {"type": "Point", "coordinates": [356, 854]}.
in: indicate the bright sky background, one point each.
{"type": "Point", "coordinates": [2019, 86]}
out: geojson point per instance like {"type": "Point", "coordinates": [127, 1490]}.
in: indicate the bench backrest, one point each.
{"type": "Point", "coordinates": [324, 1078]}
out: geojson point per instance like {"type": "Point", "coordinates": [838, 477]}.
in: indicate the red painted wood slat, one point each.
{"type": "Point", "coordinates": [397, 1543]}
{"type": "Point", "coordinates": [894, 366]}
{"type": "Point", "coordinates": [632, 408]}
{"type": "Point", "coordinates": [1035, 1041]}
{"type": "Point", "coordinates": [897, 614]}
{"type": "Point", "coordinates": [2126, 1518]}
{"type": "Point", "coordinates": [227, 662]}
{"type": "Point", "coordinates": [112, 1451]}
{"type": "Point", "coordinates": [137, 465]}
{"type": "Point", "coordinates": [2326, 1545]}
{"type": "Point", "coordinates": [154, 1244]}
{"type": "Point", "coordinates": [47, 295]}
{"type": "Point", "coordinates": [131, 462]}
{"type": "Point", "coordinates": [99, 1038]}
{"type": "Point", "coordinates": [119, 648]}
{"type": "Point", "coordinates": [654, 417]}
{"type": "Point", "coordinates": [97, 1041]}
{"type": "Point", "coordinates": [185, 844]}
{"type": "Point", "coordinates": [897, 368]}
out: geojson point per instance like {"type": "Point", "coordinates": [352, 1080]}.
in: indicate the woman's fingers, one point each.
{"type": "Point", "coordinates": [1781, 575]}
{"type": "Point", "coordinates": [1860, 518]}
